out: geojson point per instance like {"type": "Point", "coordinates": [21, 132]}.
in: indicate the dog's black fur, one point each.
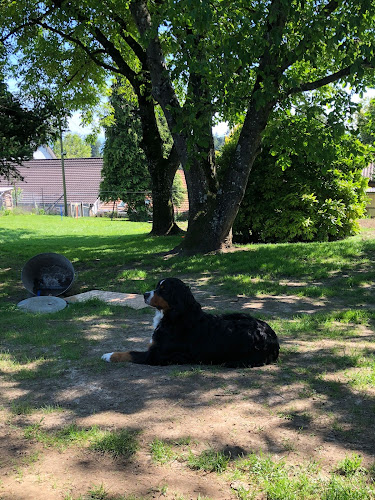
{"type": "Point", "coordinates": [187, 335]}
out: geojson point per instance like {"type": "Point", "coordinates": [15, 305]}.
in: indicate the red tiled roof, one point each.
{"type": "Point", "coordinates": [43, 180]}
{"type": "Point", "coordinates": [43, 183]}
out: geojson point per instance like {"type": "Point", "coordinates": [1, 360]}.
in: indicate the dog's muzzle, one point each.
{"type": "Point", "coordinates": [148, 296]}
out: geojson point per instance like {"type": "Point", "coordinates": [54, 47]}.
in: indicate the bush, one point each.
{"type": "Point", "coordinates": [306, 185]}
{"type": "Point", "coordinates": [139, 212]}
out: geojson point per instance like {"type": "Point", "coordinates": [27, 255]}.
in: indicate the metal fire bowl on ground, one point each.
{"type": "Point", "coordinates": [48, 274]}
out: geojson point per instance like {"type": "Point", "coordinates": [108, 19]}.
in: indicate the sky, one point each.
{"type": "Point", "coordinates": [74, 124]}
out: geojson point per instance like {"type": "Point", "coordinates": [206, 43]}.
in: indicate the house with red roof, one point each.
{"type": "Point", "coordinates": [42, 186]}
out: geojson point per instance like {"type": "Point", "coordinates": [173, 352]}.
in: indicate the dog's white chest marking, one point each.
{"type": "Point", "coordinates": [157, 318]}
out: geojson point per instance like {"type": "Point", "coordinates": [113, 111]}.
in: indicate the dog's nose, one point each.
{"type": "Point", "coordinates": [146, 296]}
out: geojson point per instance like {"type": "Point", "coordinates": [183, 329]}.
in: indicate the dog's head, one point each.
{"type": "Point", "coordinates": [172, 296]}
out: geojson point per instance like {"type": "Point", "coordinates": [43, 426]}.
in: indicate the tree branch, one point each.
{"type": "Point", "coordinates": [306, 40]}
{"type": "Point", "coordinates": [270, 62]}
{"type": "Point", "coordinates": [133, 44]}
{"type": "Point", "coordinates": [78, 42]}
{"type": "Point", "coordinates": [110, 48]}
{"type": "Point", "coordinates": [173, 157]}
{"type": "Point", "coordinates": [32, 22]}
{"type": "Point", "coordinates": [116, 56]}
{"type": "Point", "coordinates": [162, 88]}
{"type": "Point", "coordinates": [321, 82]}
{"type": "Point", "coordinates": [122, 67]}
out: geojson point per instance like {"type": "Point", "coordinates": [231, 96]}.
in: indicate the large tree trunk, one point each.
{"type": "Point", "coordinates": [162, 176]}
{"type": "Point", "coordinates": [210, 229]}
{"type": "Point", "coordinates": [162, 170]}
{"type": "Point", "coordinates": [212, 208]}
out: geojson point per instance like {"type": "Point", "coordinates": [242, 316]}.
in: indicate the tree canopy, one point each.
{"type": "Point", "coordinates": [201, 60]}
{"type": "Point", "coordinates": [23, 127]}
{"type": "Point", "coordinates": [125, 175]}
{"type": "Point", "coordinates": [74, 147]}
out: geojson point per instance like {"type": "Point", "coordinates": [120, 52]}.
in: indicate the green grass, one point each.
{"type": "Point", "coordinates": [121, 256]}
{"type": "Point", "coordinates": [122, 443]}
{"type": "Point", "coordinates": [41, 347]}
{"type": "Point", "coordinates": [161, 451]}
{"type": "Point", "coordinates": [208, 461]}
{"type": "Point", "coordinates": [328, 325]}
{"type": "Point", "coordinates": [350, 465]}
{"type": "Point", "coordinates": [64, 437]}
{"type": "Point", "coordinates": [279, 481]}
{"type": "Point", "coordinates": [256, 475]}
{"type": "Point", "coordinates": [126, 252]}
{"type": "Point", "coordinates": [119, 443]}
{"type": "Point", "coordinates": [27, 408]}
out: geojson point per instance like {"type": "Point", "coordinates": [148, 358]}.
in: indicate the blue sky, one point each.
{"type": "Point", "coordinates": [74, 124]}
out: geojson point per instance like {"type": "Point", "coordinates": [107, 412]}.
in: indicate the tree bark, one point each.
{"type": "Point", "coordinates": [162, 170]}
{"type": "Point", "coordinates": [163, 174]}
{"type": "Point", "coordinates": [212, 207]}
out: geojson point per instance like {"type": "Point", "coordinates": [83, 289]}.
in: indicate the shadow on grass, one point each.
{"type": "Point", "coordinates": [101, 253]}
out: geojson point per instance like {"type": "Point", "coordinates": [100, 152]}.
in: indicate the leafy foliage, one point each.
{"type": "Point", "coordinates": [200, 60]}
{"type": "Point", "coordinates": [74, 147]}
{"type": "Point", "coordinates": [22, 130]}
{"type": "Point", "coordinates": [96, 149]}
{"type": "Point", "coordinates": [306, 185]}
{"type": "Point", "coordinates": [125, 174]}
{"type": "Point", "coordinates": [178, 191]}
{"type": "Point", "coordinates": [366, 123]}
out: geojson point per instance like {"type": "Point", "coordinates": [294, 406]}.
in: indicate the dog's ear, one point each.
{"type": "Point", "coordinates": [184, 303]}
{"type": "Point", "coordinates": [177, 310]}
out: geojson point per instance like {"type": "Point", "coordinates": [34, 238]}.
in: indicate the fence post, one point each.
{"type": "Point", "coordinates": [63, 172]}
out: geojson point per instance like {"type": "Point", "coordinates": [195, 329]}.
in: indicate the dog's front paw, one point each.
{"type": "Point", "coordinates": [107, 357]}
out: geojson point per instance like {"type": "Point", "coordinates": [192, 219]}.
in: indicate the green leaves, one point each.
{"type": "Point", "coordinates": [125, 174]}
{"type": "Point", "coordinates": [366, 123]}
{"type": "Point", "coordinates": [74, 147]}
{"type": "Point", "coordinates": [306, 184]}
{"type": "Point", "coordinates": [23, 128]}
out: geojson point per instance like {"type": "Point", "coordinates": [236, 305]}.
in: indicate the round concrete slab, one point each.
{"type": "Point", "coordinates": [42, 304]}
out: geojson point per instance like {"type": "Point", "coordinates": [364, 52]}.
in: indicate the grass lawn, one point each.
{"type": "Point", "coordinates": [126, 254]}
{"type": "Point", "coordinates": [61, 406]}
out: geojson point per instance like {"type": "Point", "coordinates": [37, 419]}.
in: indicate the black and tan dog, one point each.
{"type": "Point", "coordinates": [184, 334]}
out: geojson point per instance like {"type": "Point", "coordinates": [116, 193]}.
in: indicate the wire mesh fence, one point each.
{"type": "Point", "coordinates": [87, 203]}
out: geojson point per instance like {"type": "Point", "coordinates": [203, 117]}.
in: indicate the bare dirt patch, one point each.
{"type": "Point", "coordinates": [302, 409]}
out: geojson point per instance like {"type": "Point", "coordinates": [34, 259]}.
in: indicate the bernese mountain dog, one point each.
{"type": "Point", "coordinates": [184, 334]}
